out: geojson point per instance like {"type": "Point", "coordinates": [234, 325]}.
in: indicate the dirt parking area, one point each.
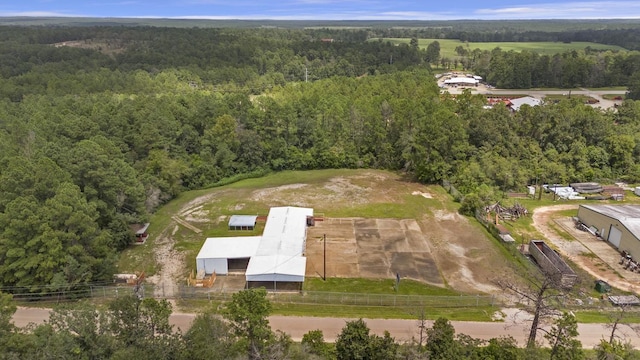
{"type": "Point", "coordinates": [595, 256]}
{"type": "Point", "coordinates": [371, 248]}
{"type": "Point", "coordinates": [445, 250]}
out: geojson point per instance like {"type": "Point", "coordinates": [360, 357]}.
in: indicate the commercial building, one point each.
{"type": "Point", "coordinates": [517, 103]}
{"type": "Point", "coordinates": [617, 224]}
{"type": "Point", "coordinates": [462, 81]}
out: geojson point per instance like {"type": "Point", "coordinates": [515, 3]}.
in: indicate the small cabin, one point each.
{"type": "Point", "coordinates": [140, 232]}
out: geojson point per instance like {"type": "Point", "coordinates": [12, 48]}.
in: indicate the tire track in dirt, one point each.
{"type": "Point", "coordinates": [543, 216]}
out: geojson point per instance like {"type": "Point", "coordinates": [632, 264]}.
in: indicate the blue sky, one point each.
{"type": "Point", "coordinates": [327, 9]}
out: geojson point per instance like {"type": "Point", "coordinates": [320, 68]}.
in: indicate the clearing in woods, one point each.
{"type": "Point", "coordinates": [377, 225]}
{"type": "Point", "coordinates": [448, 46]}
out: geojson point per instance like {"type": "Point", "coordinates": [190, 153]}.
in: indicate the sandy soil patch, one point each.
{"type": "Point", "coordinates": [171, 263]}
{"type": "Point", "coordinates": [465, 256]}
{"type": "Point", "coordinates": [365, 187]}
{"type": "Point", "coordinates": [447, 249]}
{"type": "Point", "coordinates": [423, 194]}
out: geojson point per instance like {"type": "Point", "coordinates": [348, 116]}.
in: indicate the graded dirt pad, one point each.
{"type": "Point", "coordinates": [466, 257]}
{"type": "Point", "coordinates": [382, 248]}
{"type": "Point", "coordinates": [371, 248]}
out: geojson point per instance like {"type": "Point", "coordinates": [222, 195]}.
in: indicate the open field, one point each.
{"type": "Point", "coordinates": [378, 225]}
{"type": "Point", "coordinates": [448, 46]}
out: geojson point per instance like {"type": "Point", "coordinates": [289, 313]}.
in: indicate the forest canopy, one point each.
{"type": "Point", "coordinates": [99, 125]}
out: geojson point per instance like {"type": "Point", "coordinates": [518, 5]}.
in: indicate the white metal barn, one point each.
{"type": "Point", "coordinates": [216, 253]}
{"type": "Point", "coordinates": [276, 256]}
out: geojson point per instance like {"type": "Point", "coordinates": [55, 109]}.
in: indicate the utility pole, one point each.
{"type": "Point", "coordinates": [306, 74]}
{"type": "Point", "coordinates": [324, 271]}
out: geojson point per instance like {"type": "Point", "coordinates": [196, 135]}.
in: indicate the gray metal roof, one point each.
{"type": "Point", "coordinates": [140, 229]}
{"type": "Point", "coordinates": [628, 215]}
{"type": "Point", "coordinates": [242, 220]}
{"type": "Point", "coordinates": [618, 212]}
{"type": "Point", "coordinates": [527, 100]}
{"type": "Point", "coordinates": [277, 255]}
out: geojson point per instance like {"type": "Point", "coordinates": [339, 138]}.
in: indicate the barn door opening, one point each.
{"type": "Point", "coordinates": [615, 236]}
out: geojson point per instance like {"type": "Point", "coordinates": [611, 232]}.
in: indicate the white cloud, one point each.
{"type": "Point", "coordinates": [38, 14]}
{"type": "Point", "coordinates": [570, 10]}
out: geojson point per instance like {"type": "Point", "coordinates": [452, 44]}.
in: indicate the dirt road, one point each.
{"type": "Point", "coordinates": [579, 251]}
{"type": "Point", "coordinates": [401, 330]}
{"type": "Point", "coordinates": [541, 94]}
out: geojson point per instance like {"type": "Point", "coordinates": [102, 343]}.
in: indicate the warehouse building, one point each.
{"type": "Point", "coordinates": [617, 224]}
{"type": "Point", "coordinates": [275, 257]}
{"type": "Point", "coordinates": [462, 81]}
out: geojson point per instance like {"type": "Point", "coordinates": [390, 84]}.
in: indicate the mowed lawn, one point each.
{"type": "Point", "coordinates": [448, 46]}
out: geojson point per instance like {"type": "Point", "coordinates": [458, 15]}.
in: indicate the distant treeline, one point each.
{"type": "Point", "coordinates": [628, 38]}
{"type": "Point", "coordinates": [464, 25]}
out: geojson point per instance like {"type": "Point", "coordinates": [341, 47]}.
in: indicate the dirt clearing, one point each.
{"type": "Point", "coordinates": [378, 224]}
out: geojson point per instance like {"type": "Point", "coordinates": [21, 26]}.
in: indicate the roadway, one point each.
{"type": "Point", "coordinates": [401, 330]}
{"type": "Point", "coordinates": [542, 93]}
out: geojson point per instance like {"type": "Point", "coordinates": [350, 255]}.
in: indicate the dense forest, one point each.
{"type": "Point", "coordinates": [99, 125]}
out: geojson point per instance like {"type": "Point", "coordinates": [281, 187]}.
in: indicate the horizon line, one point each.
{"type": "Point", "coordinates": [226, 18]}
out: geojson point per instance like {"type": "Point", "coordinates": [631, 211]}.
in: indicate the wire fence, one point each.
{"type": "Point", "coordinates": [181, 292]}
{"type": "Point", "coordinates": [80, 292]}
{"type": "Point", "coordinates": [353, 299]}
{"type": "Point", "coordinates": [287, 297]}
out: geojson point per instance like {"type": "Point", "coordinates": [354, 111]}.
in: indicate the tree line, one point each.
{"type": "Point", "coordinates": [572, 69]}
{"type": "Point", "coordinates": [131, 327]}
{"type": "Point", "coordinates": [620, 34]}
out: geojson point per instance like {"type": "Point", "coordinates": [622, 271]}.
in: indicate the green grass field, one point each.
{"type": "Point", "coordinates": [448, 46]}
{"type": "Point", "coordinates": [236, 198]}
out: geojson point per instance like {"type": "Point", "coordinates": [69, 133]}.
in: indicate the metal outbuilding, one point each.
{"type": "Point", "coordinates": [276, 256]}
{"type": "Point", "coordinates": [216, 254]}
{"type": "Point", "coordinates": [242, 222]}
{"type": "Point", "coordinates": [617, 224]}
